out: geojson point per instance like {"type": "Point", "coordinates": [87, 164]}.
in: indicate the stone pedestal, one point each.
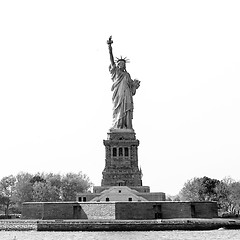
{"type": "Point", "coordinates": [121, 160]}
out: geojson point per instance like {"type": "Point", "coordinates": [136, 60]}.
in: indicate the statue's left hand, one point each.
{"type": "Point", "coordinates": [136, 83]}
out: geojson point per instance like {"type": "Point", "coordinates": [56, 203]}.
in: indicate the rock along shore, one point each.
{"type": "Point", "coordinates": [119, 225]}
{"type": "Point", "coordinates": [18, 225]}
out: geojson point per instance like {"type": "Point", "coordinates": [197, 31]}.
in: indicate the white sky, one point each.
{"type": "Point", "coordinates": [55, 98]}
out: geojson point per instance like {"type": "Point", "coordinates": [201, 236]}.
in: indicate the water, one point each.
{"type": "Point", "coordinates": [160, 235]}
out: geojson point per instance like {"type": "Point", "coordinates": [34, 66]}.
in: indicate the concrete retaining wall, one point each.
{"type": "Point", "coordinates": [153, 210]}
{"type": "Point", "coordinates": [32, 210]}
{"type": "Point", "coordinates": [68, 210]}
{"type": "Point", "coordinates": [205, 209]}
{"type": "Point", "coordinates": [99, 210]}
{"type": "Point", "coordinates": [119, 210]}
{"type": "Point", "coordinates": [165, 210]}
{"type": "Point", "coordinates": [58, 210]}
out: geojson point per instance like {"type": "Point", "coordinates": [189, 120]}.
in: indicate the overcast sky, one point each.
{"type": "Point", "coordinates": [55, 88]}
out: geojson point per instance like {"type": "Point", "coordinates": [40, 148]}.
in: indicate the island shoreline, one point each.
{"type": "Point", "coordinates": [119, 225]}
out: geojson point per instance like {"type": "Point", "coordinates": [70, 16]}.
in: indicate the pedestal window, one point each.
{"type": "Point", "coordinates": [114, 152]}
{"type": "Point", "coordinates": [120, 152]}
{"type": "Point", "coordinates": [126, 152]}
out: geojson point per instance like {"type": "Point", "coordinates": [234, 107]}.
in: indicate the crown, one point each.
{"type": "Point", "coordinates": [122, 59]}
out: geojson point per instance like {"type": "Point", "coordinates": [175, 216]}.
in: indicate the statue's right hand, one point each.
{"type": "Point", "coordinates": [110, 41]}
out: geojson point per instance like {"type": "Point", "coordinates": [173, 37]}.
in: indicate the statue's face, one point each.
{"type": "Point", "coordinates": [121, 65]}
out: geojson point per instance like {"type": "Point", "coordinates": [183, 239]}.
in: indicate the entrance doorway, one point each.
{"type": "Point", "coordinates": [157, 211]}
{"type": "Point", "coordinates": [193, 211]}
{"type": "Point", "coordinates": [76, 212]}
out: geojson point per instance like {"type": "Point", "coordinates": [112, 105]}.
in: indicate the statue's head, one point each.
{"type": "Point", "coordinates": [121, 63]}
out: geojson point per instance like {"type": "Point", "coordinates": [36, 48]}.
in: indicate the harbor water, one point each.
{"type": "Point", "coordinates": [152, 235]}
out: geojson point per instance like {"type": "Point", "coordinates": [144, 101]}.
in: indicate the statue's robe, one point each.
{"type": "Point", "coordinates": [122, 99]}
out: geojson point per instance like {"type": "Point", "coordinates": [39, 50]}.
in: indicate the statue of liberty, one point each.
{"type": "Point", "coordinates": [123, 88]}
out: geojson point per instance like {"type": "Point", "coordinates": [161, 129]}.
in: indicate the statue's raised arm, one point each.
{"type": "Point", "coordinates": [110, 42]}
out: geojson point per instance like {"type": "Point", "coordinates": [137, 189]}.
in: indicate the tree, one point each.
{"type": "Point", "coordinates": [47, 187]}
{"type": "Point", "coordinates": [235, 197]}
{"type": "Point", "coordinates": [5, 203]}
{"type": "Point", "coordinates": [54, 187]}
{"type": "Point", "coordinates": [229, 196]}
{"type": "Point", "coordinates": [200, 189]}
{"type": "Point", "coordinates": [45, 192]}
{"type": "Point", "coordinates": [23, 189]}
{"type": "Point", "coordinates": [7, 188]}
{"type": "Point", "coordinates": [37, 178]}
{"type": "Point", "coordinates": [55, 180]}
{"type": "Point", "coordinates": [73, 183]}
{"type": "Point", "coordinates": [190, 190]}
{"type": "Point", "coordinates": [223, 195]}
{"type": "Point", "coordinates": [208, 190]}
{"type": "Point", "coordinates": [226, 192]}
